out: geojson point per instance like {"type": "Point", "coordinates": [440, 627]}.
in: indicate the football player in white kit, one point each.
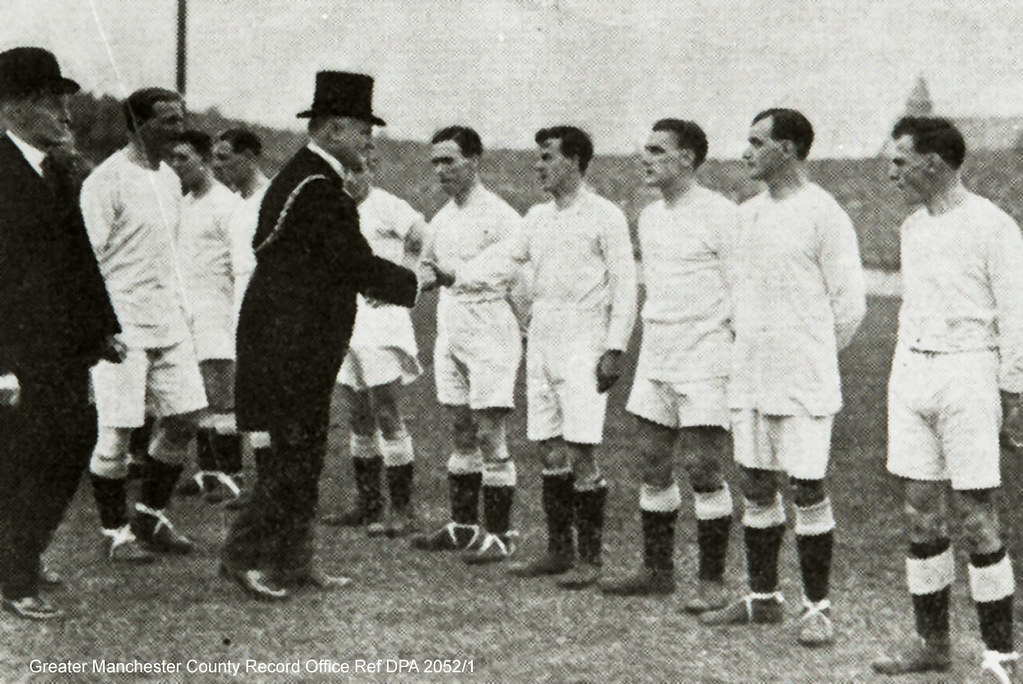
{"type": "Point", "coordinates": [131, 204]}
{"type": "Point", "coordinates": [956, 375]}
{"type": "Point", "coordinates": [478, 349]}
{"type": "Point", "coordinates": [382, 356]}
{"type": "Point", "coordinates": [584, 306]}
{"type": "Point", "coordinates": [679, 394]}
{"type": "Point", "coordinates": [204, 249]}
{"type": "Point", "coordinates": [236, 158]}
{"type": "Point", "coordinates": [799, 297]}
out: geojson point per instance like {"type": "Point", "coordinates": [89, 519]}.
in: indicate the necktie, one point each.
{"type": "Point", "coordinates": [63, 172]}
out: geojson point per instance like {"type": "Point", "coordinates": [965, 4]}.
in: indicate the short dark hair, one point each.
{"type": "Point", "coordinates": [468, 140]}
{"type": "Point", "coordinates": [138, 108]}
{"type": "Point", "coordinates": [933, 134]}
{"type": "Point", "coordinates": [688, 136]}
{"type": "Point", "coordinates": [575, 143]}
{"type": "Point", "coordinates": [242, 140]}
{"type": "Point", "coordinates": [791, 125]}
{"type": "Point", "coordinates": [201, 142]}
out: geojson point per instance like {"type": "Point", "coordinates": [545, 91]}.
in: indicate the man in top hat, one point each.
{"type": "Point", "coordinates": [293, 330]}
{"type": "Point", "coordinates": [58, 321]}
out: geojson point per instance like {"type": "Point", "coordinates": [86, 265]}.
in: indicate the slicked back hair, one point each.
{"type": "Point", "coordinates": [201, 142]}
{"type": "Point", "coordinates": [242, 140]}
{"type": "Point", "coordinates": [139, 106]}
{"type": "Point", "coordinates": [575, 143]}
{"type": "Point", "coordinates": [933, 134]}
{"type": "Point", "coordinates": [468, 140]}
{"type": "Point", "coordinates": [791, 125]}
{"type": "Point", "coordinates": [688, 136]}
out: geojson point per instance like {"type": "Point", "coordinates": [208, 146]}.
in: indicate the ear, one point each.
{"type": "Point", "coordinates": [933, 164]}
{"type": "Point", "coordinates": [788, 147]}
{"type": "Point", "coordinates": [687, 156]}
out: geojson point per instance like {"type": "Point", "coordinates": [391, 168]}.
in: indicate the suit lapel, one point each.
{"type": "Point", "coordinates": [26, 190]}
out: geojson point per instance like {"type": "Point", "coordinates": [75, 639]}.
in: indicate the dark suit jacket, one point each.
{"type": "Point", "coordinates": [55, 313]}
{"type": "Point", "coordinates": [297, 315]}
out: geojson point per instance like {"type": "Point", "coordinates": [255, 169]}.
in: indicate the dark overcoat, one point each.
{"type": "Point", "coordinates": [53, 302]}
{"type": "Point", "coordinates": [298, 311]}
{"type": "Point", "coordinates": [56, 319]}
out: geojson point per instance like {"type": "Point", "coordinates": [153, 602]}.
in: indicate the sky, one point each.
{"type": "Point", "coordinates": [509, 67]}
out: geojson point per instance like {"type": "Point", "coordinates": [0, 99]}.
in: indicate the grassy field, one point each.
{"type": "Point", "coordinates": [413, 606]}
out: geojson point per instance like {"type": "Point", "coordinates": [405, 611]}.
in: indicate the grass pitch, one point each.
{"type": "Point", "coordinates": [430, 609]}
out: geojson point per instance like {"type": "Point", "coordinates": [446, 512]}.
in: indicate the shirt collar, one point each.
{"type": "Point", "coordinates": [33, 155]}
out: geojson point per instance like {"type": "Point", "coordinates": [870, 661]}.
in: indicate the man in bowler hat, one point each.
{"type": "Point", "coordinates": [58, 321]}
{"type": "Point", "coordinates": [293, 330]}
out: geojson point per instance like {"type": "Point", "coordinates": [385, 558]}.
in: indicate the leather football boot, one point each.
{"type": "Point", "coordinates": [751, 609]}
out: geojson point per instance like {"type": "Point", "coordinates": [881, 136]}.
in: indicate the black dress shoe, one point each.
{"type": "Point", "coordinates": [255, 583]}
{"type": "Point", "coordinates": [32, 608]}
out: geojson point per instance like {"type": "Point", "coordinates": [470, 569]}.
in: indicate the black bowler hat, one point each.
{"type": "Point", "coordinates": [343, 94]}
{"type": "Point", "coordinates": [30, 70]}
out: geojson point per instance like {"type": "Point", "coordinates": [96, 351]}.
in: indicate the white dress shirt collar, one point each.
{"type": "Point", "coordinates": [33, 155]}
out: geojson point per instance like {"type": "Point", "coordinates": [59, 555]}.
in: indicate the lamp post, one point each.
{"type": "Point", "coordinates": [182, 43]}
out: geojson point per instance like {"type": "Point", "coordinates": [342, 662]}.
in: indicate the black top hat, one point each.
{"type": "Point", "coordinates": [343, 94]}
{"type": "Point", "coordinates": [30, 70]}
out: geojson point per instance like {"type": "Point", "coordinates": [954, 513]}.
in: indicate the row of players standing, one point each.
{"type": "Point", "coordinates": [796, 297]}
{"type": "Point", "coordinates": [746, 310]}
{"type": "Point", "coordinates": [787, 262]}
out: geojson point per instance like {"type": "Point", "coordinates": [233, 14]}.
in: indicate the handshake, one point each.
{"type": "Point", "coordinates": [431, 276]}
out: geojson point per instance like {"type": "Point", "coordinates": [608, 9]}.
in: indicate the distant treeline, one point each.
{"type": "Point", "coordinates": [861, 185]}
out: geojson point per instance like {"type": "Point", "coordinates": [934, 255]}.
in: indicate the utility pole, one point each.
{"type": "Point", "coordinates": [182, 44]}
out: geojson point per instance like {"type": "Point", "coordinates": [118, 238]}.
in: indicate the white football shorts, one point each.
{"type": "Point", "coordinates": [213, 324]}
{"type": "Point", "coordinates": [680, 404]}
{"type": "Point", "coordinates": [799, 446]}
{"type": "Point", "coordinates": [944, 415]}
{"type": "Point", "coordinates": [561, 375]}
{"type": "Point", "coordinates": [477, 354]}
{"type": "Point", "coordinates": [366, 367]}
{"type": "Point", "coordinates": [160, 382]}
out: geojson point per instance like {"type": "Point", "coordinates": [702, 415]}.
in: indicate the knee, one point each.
{"type": "Point", "coordinates": [704, 471]}
{"type": "Point", "coordinates": [386, 414]}
{"type": "Point", "coordinates": [759, 487]}
{"type": "Point", "coordinates": [463, 432]}
{"type": "Point", "coordinates": [171, 440]}
{"type": "Point", "coordinates": [584, 465]}
{"type": "Point", "coordinates": [806, 493]}
{"type": "Point", "coordinates": [981, 530]}
{"type": "Point", "coordinates": [488, 437]}
{"type": "Point", "coordinates": [555, 456]}
{"type": "Point", "coordinates": [924, 524]}
{"type": "Point", "coordinates": [110, 456]}
{"type": "Point", "coordinates": [657, 471]}
{"type": "Point", "coordinates": [389, 423]}
{"type": "Point", "coordinates": [362, 424]}
{"type": "Point", "coordinates": [177, 431]}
